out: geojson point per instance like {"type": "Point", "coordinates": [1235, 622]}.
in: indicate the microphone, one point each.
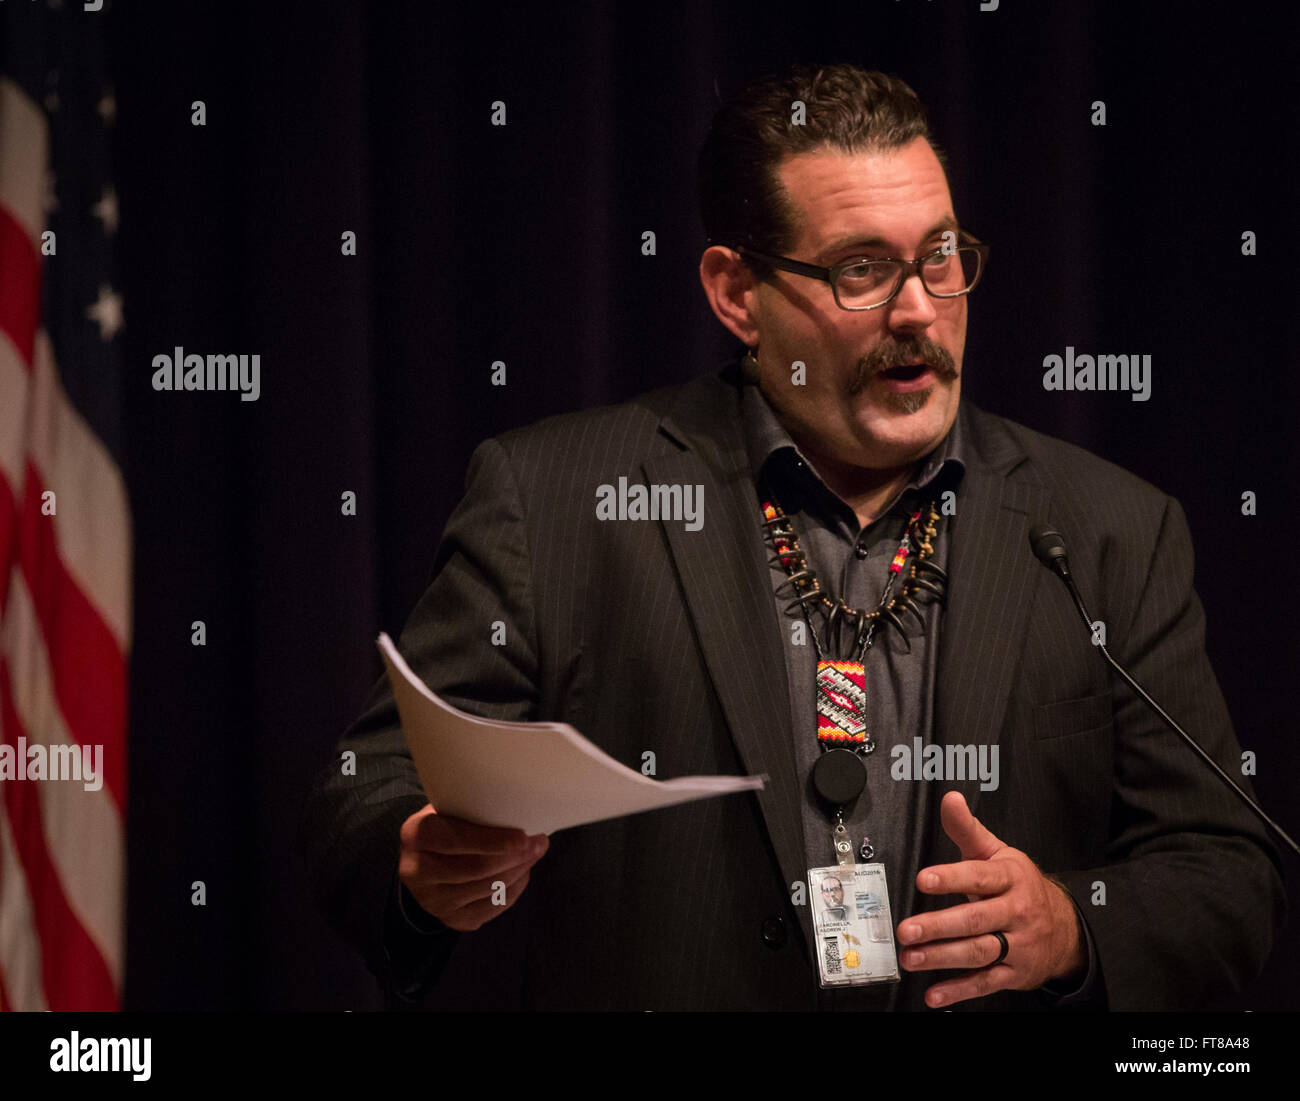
{"type": "Point", "coordinates": [1049, 547]}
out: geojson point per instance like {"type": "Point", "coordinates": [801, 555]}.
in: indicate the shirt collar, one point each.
{"type": "Point", "coordinates": [775, 457]}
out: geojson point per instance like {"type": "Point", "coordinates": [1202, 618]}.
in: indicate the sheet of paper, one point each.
{"type": "Point", "coordinates": [537, 777]}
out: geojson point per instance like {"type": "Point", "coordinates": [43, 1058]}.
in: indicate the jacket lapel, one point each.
{"type": "Point", "coordinates": [724, 575]}
{"type": "Point", "coordinates": [993, 576]}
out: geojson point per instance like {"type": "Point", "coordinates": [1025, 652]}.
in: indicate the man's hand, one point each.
{"type": "Point", "coordinates": [1008, 894]}
{"type": "Point", "coordinates": [450, 866]}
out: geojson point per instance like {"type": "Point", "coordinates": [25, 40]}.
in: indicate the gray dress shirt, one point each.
{"type": "Point", "coordinates": [853, 562]}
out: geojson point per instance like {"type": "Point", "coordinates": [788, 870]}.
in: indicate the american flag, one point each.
{"type": "Point", "coordinates": [65, 526]}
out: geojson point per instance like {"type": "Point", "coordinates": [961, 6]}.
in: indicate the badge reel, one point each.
{"type": "Point", "coordinates": [852, 926]}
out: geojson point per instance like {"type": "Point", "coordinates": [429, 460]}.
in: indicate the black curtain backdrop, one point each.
{"type": "Point", "coordinates": [522, 244]}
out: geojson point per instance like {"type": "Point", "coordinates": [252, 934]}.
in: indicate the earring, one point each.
{"type": "Point", "coordinates": [749, 364]}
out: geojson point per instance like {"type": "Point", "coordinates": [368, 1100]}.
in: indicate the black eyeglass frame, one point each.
{"type": "Point", "coordinates": [908, 269]}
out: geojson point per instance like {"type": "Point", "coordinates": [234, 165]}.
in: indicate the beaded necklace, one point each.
{"type": "Point", "coordinates": [841, 684]}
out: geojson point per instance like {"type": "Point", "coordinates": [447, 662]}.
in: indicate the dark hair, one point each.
{"type": "Point", "coordinates": [741, 197]}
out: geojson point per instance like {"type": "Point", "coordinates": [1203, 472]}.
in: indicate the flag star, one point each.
{"type": "Point", "coordinates": [107, 311]}
{"type": "Point", "coordinates": [107, 107]}
{"type": "Point", "coordinates": [106, 211]}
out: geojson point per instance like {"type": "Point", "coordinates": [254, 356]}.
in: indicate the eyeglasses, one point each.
{"type": "Point", "coordinates": [863, 284]}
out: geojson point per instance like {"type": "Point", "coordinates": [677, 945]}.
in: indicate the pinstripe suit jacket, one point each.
{"type": "Point", "coordinates": [646, 636]}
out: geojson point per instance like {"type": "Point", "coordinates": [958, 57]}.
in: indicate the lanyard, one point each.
{"type": "Point", "coordinates": [840, 774]}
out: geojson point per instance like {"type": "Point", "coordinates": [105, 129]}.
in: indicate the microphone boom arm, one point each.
{"type": "Point", "coordinates": [1049, 547]}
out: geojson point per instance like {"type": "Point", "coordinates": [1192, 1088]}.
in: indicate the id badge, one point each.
{"type": "Point", "coordinates": [852, 927]}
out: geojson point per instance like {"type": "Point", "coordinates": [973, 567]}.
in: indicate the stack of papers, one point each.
{"type": "Point", "coordinates": [537, 777]}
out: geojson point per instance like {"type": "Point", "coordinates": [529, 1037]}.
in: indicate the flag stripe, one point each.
{"type": "Point", "coordinates": [91, 878]}
{"type": "Point", "coordinates": [92, 521]}
{"type": "Point", "coordinates": [89, 676]}
{"type": "Point", "coordinates": [20, 276]}
{"type": "Point", "coordinates": [14, 385]}
{"type": "Point", "coordinates": [20, 947]}
{"type": "Point", "coordinates": [73, 972]}
{"type": "Point", "coordinates": [25, 137]}
{"type": "Point", "coordinates": [92, 525]}
{"type": "Point", "coordinates": [8, 535]}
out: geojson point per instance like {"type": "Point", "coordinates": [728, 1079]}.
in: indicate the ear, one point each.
{"type": "Point", "coordinates": [732, 291]}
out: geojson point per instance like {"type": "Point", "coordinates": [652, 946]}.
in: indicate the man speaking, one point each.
{"type": "Point", "coordinates": [857, 614]}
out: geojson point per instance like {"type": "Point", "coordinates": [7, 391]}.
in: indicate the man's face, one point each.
{"type": "Point", "coordinates": [832, 892]}
{"type": "Point", "coordinates": [892, 203]}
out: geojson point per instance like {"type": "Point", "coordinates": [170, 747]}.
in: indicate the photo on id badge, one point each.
{"type": "Point", "coordinates": [852, 924]}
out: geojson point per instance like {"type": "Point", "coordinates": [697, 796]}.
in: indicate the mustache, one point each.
{"type": "Point", "coordinates": [899, 354]}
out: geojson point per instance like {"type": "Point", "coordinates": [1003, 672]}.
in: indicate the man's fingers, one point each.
{"type": "Point", "coordinates": [969, 953]}
{"type": "Point", "coordinates": [970, 877]}
{"type": "Point", "coordinates": [971, 919]}
{"type": "Point", "coordinates": [497, 897]}
{"type": "Point", "coordinates": [974, 984]}
{"type": "Point", "coordinates": [443, 868]}
{"type": "Point", "coordinates": [454, 869]}
{"type": "Point", "coordinates": [970, 836]}
{"type": "Point", "coordinates": [446, 900]}
{"type": "Point", "coordinates": [438, 833]}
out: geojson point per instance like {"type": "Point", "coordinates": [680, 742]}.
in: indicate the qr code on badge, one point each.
{"type": "Point", "coordinates": [832, 955]}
